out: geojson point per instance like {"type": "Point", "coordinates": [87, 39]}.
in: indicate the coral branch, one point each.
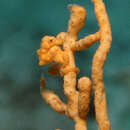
{"type": "Point", "coordinates": [53, 100]}
{"type": "Point", "coordinates": [72, 94]}
{"type": "Point", "coordinates": [80, 124]}
{"type": "Point", "coordinates": [86, 42]}
{"type": "Point", "coordinates": [84, 85]}
{"type": "Point", "coordinates": [77, 19]}
{"type": "Point", "coordinates": [98, 63]}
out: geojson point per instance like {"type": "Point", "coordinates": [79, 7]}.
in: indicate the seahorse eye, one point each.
{"type": "Point", "coordinates": [51, 40]}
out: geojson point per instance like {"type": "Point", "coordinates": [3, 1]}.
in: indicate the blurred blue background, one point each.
{"type": "Point", "coordinates": [22, 25]}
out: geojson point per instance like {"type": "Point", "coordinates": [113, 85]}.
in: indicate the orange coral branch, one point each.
{"type": "Point", "coordinates": [77, 20]}
{"type": "Point", "coordinates": [84, 85]}
{"type": "Point", "coordinates": [98, 63]}
{"type": "Point", "coordinates": [52, 99]}
{"type": "Point", "coordinates": [86, 42]}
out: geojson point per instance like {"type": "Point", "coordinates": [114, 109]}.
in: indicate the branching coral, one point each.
{"type": "Point", "coordinates": [60, 49]}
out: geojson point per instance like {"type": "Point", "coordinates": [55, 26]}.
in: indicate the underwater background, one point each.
{"type": "Point", "coordinates": [22, 25]}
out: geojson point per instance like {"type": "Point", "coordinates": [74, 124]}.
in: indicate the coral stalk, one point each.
{"type": "Point", "coordinates": [98, 63]}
